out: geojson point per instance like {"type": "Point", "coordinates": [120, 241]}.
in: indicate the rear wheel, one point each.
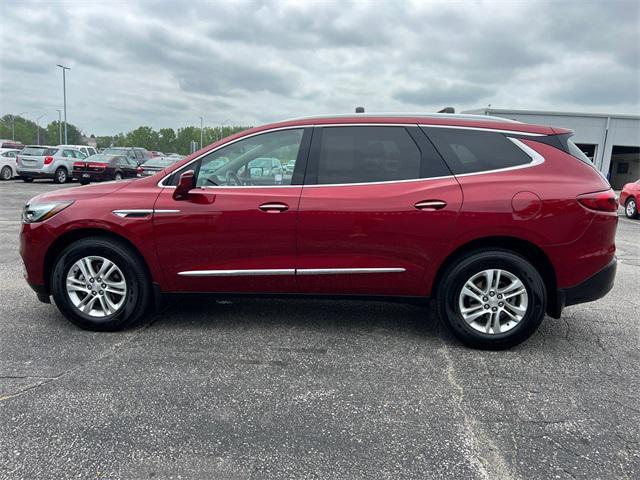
{"type": "Point", "coordinates": [631, 208]}
{"type": "Point", "coordinates": [6, 173]}
{"type": "Point", "coordinates": [61, 176]}
{"type": "Point", "coordinates": [100, 284]}
{"type": "Point", "coordinates": [118, 176]}
{"type": "Point", "coordinates": [492, 299]}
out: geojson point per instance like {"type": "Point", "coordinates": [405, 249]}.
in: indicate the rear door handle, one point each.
{"type": "Point", "coordinates": [274, 207]}
{"type": "Point", "coordinates": [430, 205]}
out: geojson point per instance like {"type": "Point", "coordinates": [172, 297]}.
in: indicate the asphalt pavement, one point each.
{"type": "Point", "coordinates": [313, 389]}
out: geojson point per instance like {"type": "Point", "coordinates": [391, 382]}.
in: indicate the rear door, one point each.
{"type": "Point", "coordinates": [377, 206]}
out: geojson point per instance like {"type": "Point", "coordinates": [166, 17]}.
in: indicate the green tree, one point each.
{"type": "Point", "coordinates": [145, 137]}
{"type": "Point", "coordinates": [167, 140]}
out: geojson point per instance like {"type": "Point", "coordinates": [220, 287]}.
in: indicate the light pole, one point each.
{"type": "Point", "coordinates": [201, 131]}
{"type": "Point", "coordinates": [222, 128]}
{"type": "Point", "coordinates": [13, 126]}
{"type": "Point", "coordinates": [59, 126]}
{"type": "Point", "coordinates": [64, 95]}
{"type": "Point", "coordinates": [38, 127]}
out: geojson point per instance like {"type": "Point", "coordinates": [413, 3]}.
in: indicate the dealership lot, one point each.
{"type": "Point", "coordinates": [313, 389]}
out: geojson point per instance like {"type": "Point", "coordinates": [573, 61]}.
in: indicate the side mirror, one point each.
{"type": "Point", "coordinates": [186, 183]}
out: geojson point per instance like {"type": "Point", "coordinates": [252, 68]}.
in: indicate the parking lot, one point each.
{"type": "Point", "coordinates": [313, 389]}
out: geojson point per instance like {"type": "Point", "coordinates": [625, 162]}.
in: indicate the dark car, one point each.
{"type": "Point", "coordinates": [138, 154]}
{"type": "Point", "coordinates": [102, 167]}
{"type": "Point", "coordinates": [153, 166]}
{"type": "Point", "coordinates": [498, 222]}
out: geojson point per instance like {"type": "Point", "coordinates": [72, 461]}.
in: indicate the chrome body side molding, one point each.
{"type": "Point", "coordinates": [287, 271]}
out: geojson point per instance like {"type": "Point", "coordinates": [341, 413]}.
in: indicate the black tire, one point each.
{"type": "Point", "coordinates": [61, 175]}
{"type": "Point", "coordinates": [631, 208]}
{"type": "Point", "coordinates": [27, 179]}
{"type": "Point", "coordinates": [118, 176]}
{"type": "Point", "coordinates": [6, 173]}
{"type": "Point", "coordinates": [139, 291]}
{"type": "Point", "coordinates": [455, 277]}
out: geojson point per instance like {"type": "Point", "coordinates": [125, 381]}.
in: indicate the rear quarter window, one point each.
{"type": "Point", "coordinates": [472, 151]}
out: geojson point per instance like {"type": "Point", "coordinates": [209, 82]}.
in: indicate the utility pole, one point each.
{"type": "Point", "coordinates": [64, 95]}
{"type": "Point", "coordinates": [59, 126]}
{"type": "Point", "coordinates": [201, 131]}
{"type": "Point", "coordinates": [38, 127]}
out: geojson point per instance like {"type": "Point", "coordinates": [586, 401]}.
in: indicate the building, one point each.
{"type": "Point", "coordinates": [612, 142]}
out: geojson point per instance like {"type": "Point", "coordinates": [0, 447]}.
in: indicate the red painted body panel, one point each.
{"type": "Point", "coordinates": [374, 226]}
{"type": "Point", "coordinates": [347, 226]}
{"type": "Point", "coordinates": [223, 229]}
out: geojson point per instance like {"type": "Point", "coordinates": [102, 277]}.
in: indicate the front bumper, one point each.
{"type": "Point", "coordinates": [593, 288]}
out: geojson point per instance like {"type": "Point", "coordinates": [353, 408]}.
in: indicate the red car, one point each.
{"type": "Point", "coordinates": [500, 222]}
{"type": "Point", "coordinates": [629, 198]}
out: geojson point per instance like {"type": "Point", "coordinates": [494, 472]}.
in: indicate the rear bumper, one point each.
{"type": "Point", "coordinates": [93, 176]}
{"type": "Point", "coordinates": [34, 174]}
{"type": "Point", "coordinates": [593, 288]}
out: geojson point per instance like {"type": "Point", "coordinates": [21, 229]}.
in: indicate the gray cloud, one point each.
{"type": "Point", "coordinates": [164, 63]}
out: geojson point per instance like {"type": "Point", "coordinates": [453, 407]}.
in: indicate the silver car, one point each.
{"type": "Point", "coordinates": [37, 161]}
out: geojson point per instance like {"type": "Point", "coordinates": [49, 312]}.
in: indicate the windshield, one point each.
{"type": "Point", "coordinates": [37, 151]}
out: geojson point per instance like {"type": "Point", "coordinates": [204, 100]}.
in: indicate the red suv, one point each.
{"type": "Point", "coordinates": [500, 222]}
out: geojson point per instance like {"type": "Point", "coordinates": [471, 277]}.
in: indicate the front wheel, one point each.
{"type": "Point", "coordinates": [492, 299]}
{"type": "Point", "coordinates": [100, 284]}
{"type": "Point", "coordinates": [118, 176]}
{"type": "Point", "coordinates": [631, 208]}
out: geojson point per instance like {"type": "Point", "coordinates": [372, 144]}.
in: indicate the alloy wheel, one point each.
{"type": "Point", "coordinates": [96, 286]}
{"type": "Point", "coordinates": [631, 208]}
{"type": "Point", "coordinates": [493, 301]}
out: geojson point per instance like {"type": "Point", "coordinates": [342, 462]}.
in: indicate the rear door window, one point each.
{"type": "Point", "coordinates": [365, 155]}
{"type": "Point", "coordinates": [471, 151]}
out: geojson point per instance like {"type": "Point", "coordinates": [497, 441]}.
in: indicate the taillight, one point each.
{"type": "Point", "coordinates": [139, 169]}
{"type": "Point", "coordinates": [599, 201]}
{"type": "Point", "coordinates": [98, 165]}
{"type": "Point", "coordinates": [17, 159]}
{"type": "Point", "coordinates": [48, 160]}
{"type": "Point", "coordinates": [78, 164]}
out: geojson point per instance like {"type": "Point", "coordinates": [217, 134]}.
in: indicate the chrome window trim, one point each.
{"type": "Point", "coordinates": [537, 159]}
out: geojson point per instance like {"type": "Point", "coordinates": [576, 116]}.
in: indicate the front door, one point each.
{"type": "Point", "coordinates": [237, 230]}
{"type": "Point", "coordinates": [377, 205]}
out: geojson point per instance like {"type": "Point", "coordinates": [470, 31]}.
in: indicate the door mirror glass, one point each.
{"type": "Point", "coordinates": [186, 183]}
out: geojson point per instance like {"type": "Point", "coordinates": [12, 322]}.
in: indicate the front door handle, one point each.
{"type": "Point", "coordinates": [430, 205]}
{"type": "Point", "coordinates": [274, 207]}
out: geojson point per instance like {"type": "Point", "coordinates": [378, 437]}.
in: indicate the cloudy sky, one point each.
{"type": "Point", "coordinates": [166, 63]}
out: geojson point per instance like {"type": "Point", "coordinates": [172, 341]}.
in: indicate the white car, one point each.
{"type": "Point", "coordinates": [8, 163]}
{"type": "Point", "coordinates": [87, 150]}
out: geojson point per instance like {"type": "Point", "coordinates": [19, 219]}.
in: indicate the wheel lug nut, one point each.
{"type": "Point", "coordinates": [499, 295]}
{"type": "Point", "coordinates": [93, 293]}
{"type": "Point", "coordinates": [501, 304]}
{"type": "Point", "coordinates": [104, 285]}
{"type": "Point", "coordinates": [494, 309]}
{"type": "Point", "coordinates": [101, 292]}
{"type": "Point", "coordinates": [485, 298]}
{"type": "Point", "coordinates": [91, 280]}
{"type": "Point", "coordinates": [486, 306]}
{"type": "Point", "coordinates": [492, 293]}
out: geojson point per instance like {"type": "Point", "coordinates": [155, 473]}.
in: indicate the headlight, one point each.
{"type": "Point", "coordinates": [39, 212]}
